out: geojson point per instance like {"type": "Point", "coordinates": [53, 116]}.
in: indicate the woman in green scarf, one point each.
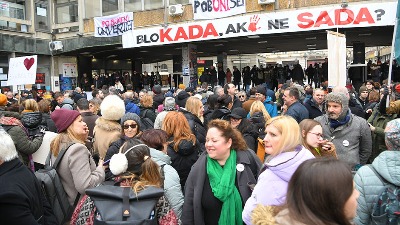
{"type": "Point", "coordinates": [220, 181]}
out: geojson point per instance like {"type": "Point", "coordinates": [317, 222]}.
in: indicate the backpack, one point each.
{"type": "Point", "coordinates": [127, 207]}
{"type": "Point", "coordinates": [53, 189]}
{"type": "Point", "coordinates": [146, 123]}
{"type": "Point", "coordinates": [386, 209]}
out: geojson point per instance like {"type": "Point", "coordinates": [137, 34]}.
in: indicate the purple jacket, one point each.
{"type": "Point", "coordinates": [272, 184]}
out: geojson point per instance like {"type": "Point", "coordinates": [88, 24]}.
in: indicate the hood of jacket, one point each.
{"type": "Point", "coordinates": [388, 166]}
{"type": "Point", "coordinates": [185, 147]}
{"type": "Point", "coordinates": [221, 113]}
{"type": "Point", "coordinates": [31, 119]}
{"type": "Point", "coordinates": [285, 164]}
{"type": "Point", "coordinates": [160, 157]}
{"type": "Point", "coordinates": [268, 99]}
{"type": "Point", "coordinates": [108, 125]}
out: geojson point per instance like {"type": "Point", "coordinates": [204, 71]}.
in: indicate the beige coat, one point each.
{"type": "Point", "coordinates": [105, 132]}
{"type": "Point", "coordinates": [78, 171]}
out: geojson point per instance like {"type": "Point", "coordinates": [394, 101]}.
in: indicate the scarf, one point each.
{"type": "Point", "coordinates": [336, 123]}
{"type": "Point", "coordinates": [222, 182]}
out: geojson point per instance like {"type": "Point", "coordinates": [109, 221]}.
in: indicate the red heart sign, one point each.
{"type": "Point", "coordinates": [29, 63]}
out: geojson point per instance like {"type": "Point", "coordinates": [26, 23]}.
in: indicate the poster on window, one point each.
{"type": "Point", "coordinates": [22, 70]}
{"type": "Point", "coordinates": [213, 9]}
{"type": "Point", "coordinates": [40, 78]}
{"type": "Point", "coordinates": [69, 70]}
{"type": "Point", "coordinates": [113, 25]}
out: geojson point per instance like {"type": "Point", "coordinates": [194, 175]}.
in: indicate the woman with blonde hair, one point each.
{"type": "Point", "coordinates": [312, 136]}
{"type": "Point", "coordinates": [182, 145]}
{"type": "Point", "coordinates": [194, 114]}
{"type": "Point", "coordinates": [221, 180]}
{"type": "Point", "coordinates": [258, 115]}
{"type": "Point", "coordinates": [77, 168]}
{"type": "Point", "coordinates": [283, 144]}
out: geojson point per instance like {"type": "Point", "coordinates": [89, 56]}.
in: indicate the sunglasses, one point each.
{"type": "Point", "coordinates": [241, 96]}
{"type": "Point", "coordinates": [126, 126]}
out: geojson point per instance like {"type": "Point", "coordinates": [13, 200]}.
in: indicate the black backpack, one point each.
{"type": "Point", "coordinates": [53, 189]}
{"type": "Point", "coordinates": [127, 207]}
{"type": "Point", "coordinates": [146, 123]}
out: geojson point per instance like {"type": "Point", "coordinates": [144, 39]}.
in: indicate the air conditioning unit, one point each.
{"type": "Point", "coordinates": [264, 2]}
{"type": "Point", "coordinates": [175, 10]}
{"type": "Point", "coordinates": [55, 45]}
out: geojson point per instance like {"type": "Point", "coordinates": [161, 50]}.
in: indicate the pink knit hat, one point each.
{"type": "Point", "coordinates": [63, 118]}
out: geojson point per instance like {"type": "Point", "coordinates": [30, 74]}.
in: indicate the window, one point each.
{"type": "Point", "coordinates": [110, 7]}
{"type": "Point", "coordinates": [133, 5]}
{"type": "Point", "coordinates": [92, 8]}
{"type": "Point", "coordinates": [9, 8]}
{"type": "Point", "coordinates": [66, 11]}
{"type": "Point", "coordinates": [153, 4]}
{"type": "Point", "coordinates": [42, 15]}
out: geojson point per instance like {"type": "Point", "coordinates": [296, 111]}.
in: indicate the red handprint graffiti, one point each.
{"type": "Point", "coordinates": [253, 23]}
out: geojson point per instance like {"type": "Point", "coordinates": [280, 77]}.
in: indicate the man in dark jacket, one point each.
{"type": "Point", "coordinates": [87, 116]}
{"type": "Point", "coordinates": [295, 109]}
{"type": "Point", "coordinates": [21, 199]}
{"type": "Point", "coordinates": [158, 98]}
{"type": "Point", "coordinates": [315, 105]}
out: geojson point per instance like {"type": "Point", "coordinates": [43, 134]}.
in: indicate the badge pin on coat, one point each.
{"type": "Point", "coordinates": [240, 167]}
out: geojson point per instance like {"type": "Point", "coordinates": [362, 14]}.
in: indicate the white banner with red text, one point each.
{"type": "Point", "coordinates": [214, 9]}
{"type": "Point", "coordinates": [319, 18]}
{"type": "Point", "coordinates": [113, 25]}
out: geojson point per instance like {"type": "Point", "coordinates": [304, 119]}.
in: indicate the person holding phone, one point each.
{"type": "Point", "coordinates": [313, 140]}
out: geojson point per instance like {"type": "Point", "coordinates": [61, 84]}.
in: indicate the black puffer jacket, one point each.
{"type": "Point", "coordinates": [183, 158]}
{"type": "Point", "coordinates": [259, 122]}
{"type": "Point", "coordinates": [197, 127]}
{"type": "Point", "coordinates": [32, 122]}
{"type": "Point", "coordinates": [249, 132]}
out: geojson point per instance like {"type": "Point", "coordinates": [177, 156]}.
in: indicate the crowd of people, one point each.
{"type": "Point", "coordinates": [199, 148]}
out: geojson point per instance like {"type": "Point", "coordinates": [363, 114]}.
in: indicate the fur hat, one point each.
{"type": "Point", "coordinates": [130, 116]}
{"type": "Point", "coordinates": [63, 118]}
{"type": "Point", "coordinates": [340, 98]}
{"type": "Point", "coordinates": [169, 104]}
{"type": "Point", "coordinates": [392, 135]}
{"type": "Point", "coordinates": [112, 108]}
{"type": "Point", "coordinates": [362, 89]}
{"type": "Point", "coordinates": [3, 100]}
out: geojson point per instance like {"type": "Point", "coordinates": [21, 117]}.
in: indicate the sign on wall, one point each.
{"type": "Point", "coordinates": [213, 9]}
{"type": "Point", "coordinates": [69, 70]}
{"type": "Point", "coordinates": [22, 70]}
{"type": "Point", "coordinates": [113, 25]}
{"type": "Point", "coordinates": [319, 18]}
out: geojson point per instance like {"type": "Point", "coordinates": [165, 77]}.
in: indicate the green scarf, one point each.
{"type": "Point", "coordinates": [222, 182]}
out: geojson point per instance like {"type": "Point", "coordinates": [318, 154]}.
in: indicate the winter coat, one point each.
{"type": "Point", "coordinates": [272, 184]}
{"type": "Point", "coordinates": [172, 185]}
{"type": "Point", "coordinates": [247, 104]}
{"type": "Point", "coordinates": [21, 197]}
{"type": "Point", "coordinates": [183, 158]}
{"type": "Point", "coordinates": [221, 113]}
{"type": "Point", "coordinates": [197, 127]}
{"type": "Point", "coordinates": [19, 135]}
{"type": "Point", "coordinates": [105, 132]}
{"type": "Point", "coordinates": [131, 107]}
{"type": "Point", "coordinates": [192, 207]}
{"type": "Point", "coordinates": [158, 99]}
{"type": "Point", "coordinates": [148, 113]}
{"type": "Point", "coordinates": [159, 119]}
{"type": "Point", "coordinates": [32, 122]}
{"type": "Point", "coordinates": [77, 171]}
{"type": "Point", "coordinates": [259, 122]}
{"type": "Point", "coordinates": [112, 150]}
{"type": "Point", "coordinates": [313, 109]}
{"type": "Point", "coordinates": [387, 164]}
{"type": "Point", "coordinates": [379, 121]}
{"type": "Point", "coordinates": [266, 215]}
{"type": "Point", "coordinates": [249, 133]}
{"type": "Point", "coordinates": [352, 140]}
{"type": "Point", "coordinates": [271, 107]}
{"type": "Point", "coordinates": [48, 122]}
{"type": "Point", "coordinates": [298, 111]}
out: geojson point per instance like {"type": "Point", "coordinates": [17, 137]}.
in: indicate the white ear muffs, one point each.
{"type": "Point", "coordinates": [119, 162]}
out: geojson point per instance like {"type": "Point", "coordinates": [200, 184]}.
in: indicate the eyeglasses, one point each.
{"type": "Point", "coordinates": [319, 135]}
{"type": "Point", "coordinates": [133, 126]}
